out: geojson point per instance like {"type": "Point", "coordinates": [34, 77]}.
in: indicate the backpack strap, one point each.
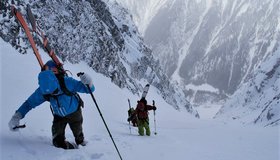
{"type": "Point", "coordinates": [64, 89]}
{"type": "Point", "coordinates": [63, 86]}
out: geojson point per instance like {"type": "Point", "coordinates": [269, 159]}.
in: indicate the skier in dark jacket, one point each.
{"type": "Point", "coordinates": [66, 108]}
{"type": "Point", "coordinates": [141, 112]}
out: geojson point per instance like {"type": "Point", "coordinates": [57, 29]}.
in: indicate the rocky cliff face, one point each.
{"type": "Point", "coordinates": [258, 100]}
{"type": "Point", "coordinates": [212, 43]}
{"type": "Point", "coordinates": [100, 33]}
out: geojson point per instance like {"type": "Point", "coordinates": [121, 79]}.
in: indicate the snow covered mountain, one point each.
{"type": "Point", "coordinates": [143, 11]}
{"type": "Point", "coordinates": [209, 47]}
{"type": "Point", "coordinates": [180, 135]}
{"type": "Point", "coordinates": [258, 100]}
{"type": "Point", "coordinates": [100, 33]}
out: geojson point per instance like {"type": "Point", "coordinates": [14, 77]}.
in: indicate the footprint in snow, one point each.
{"type": "Point", "coordinates": [96, 155]}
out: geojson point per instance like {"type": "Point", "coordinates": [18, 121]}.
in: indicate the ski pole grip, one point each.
{"type": "Point", "coordinates": [80, 73]}
{"type": "Point", "coordinates": [20, 126]}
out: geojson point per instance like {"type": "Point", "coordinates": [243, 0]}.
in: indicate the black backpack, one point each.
{"type": "Point", "coordinates": [60, 78]}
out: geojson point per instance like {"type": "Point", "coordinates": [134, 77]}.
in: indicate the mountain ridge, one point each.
{"type": "Point", "coordinates": [103, 35]}
{"type": "Point", "coordinates": [257, 101]}
{"type": "Point", "coordinates": [216, 43]}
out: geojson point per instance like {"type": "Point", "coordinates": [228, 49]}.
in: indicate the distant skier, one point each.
{"type": "Point", "coordinates": [141, 112]}
{"type": "Point", "coordinates": [61, 92]}
{"type": "Point", "coordinates": [133, 118]}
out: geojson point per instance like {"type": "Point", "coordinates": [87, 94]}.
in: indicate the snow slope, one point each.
{"type": "Point", "coordinates": [180, 136]}
{"type": "Point", "coordinates": [257, 101]}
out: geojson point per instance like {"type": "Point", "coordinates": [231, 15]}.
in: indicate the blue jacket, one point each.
{"type": "Point", "coordinates": [63, 105]}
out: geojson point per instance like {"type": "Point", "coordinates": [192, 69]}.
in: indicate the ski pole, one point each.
{"type": "Point", "coordinates": [155, 119]}
{"type": "Point", "coordinates": [129, 116]}
{"type": "Point", "coordinates": [81, 73]}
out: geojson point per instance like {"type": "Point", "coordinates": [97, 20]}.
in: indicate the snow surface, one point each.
{"type": "Point", "coordinates": [180, 136]}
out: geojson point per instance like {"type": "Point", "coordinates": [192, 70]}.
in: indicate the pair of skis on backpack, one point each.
{"type": "Point", "coordinates": [35, 29]}
{"type": "Point", "coordinates": [144, 94]}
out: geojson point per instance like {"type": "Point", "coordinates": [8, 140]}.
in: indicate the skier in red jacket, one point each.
{"type": "Point", "coordinates": [141, 112]}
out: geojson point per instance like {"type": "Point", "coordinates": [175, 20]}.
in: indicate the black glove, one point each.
{"type": "Point", "coordinates": [128, 119]}
{"type": "Point", "coordinates": [154, 108]}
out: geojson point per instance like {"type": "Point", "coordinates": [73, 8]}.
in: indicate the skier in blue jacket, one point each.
{"type": "Point", "coordinates": [66, 107]}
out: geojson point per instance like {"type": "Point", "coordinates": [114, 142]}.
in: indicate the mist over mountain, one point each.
{"type": "Point", "coordinates": [209, 47]}
{"type": "Point", "coordinates": [100, 33]}
{"type": "Point", "coordinates": [143, 11]}
{"type": "Point", "coordinates": [215, 50]}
